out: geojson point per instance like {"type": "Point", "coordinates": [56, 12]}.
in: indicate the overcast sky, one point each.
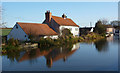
{"type": "Point", "coordinates": [82, 13]}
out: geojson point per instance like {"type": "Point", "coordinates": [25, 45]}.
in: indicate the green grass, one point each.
{"type": "Point", "coordinates": [5, 32]}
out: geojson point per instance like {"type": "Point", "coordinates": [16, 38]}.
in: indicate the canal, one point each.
{"type": "Point", "coordinates": [101, 55]}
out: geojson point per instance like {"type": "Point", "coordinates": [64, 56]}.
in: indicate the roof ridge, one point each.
{"type": "Point", "coordinates": [66, 21]}
{"type": "Point", "coordinates": [27, 23]}
{"type": "Point", "coordinates": [60, 17]}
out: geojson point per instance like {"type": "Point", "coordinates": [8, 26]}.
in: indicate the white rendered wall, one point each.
{"type": "Point", "coordinates": [17, 33]}
{"type": "Point", "coordinates": [72, 29]}
{"type": "Point", "coordinates": [53, 36]}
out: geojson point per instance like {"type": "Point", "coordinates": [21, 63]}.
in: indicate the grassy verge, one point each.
{"type": "Point", "coordinates": [5, 32]}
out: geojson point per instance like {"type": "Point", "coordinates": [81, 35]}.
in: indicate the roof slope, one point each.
{"type": "Point", "coordinates": [108, 26]}
{"type": "Point", "coordinates": [36, 29]}
{"type": "Point", "coordinates": [65, 22]}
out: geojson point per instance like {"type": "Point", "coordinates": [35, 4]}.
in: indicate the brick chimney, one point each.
{"type": "Point", "coordinates": [64, 16]}
{"type": "Point", "coordinates": [48, 16]}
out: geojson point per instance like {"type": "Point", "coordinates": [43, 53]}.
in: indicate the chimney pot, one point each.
{"type": "Point", "coordinates": [64, 16]}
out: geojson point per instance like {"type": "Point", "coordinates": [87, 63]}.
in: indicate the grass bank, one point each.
{"type": "Point", "coordinates": [13, 45]}
{"type": "Point", "coordinates": [91, 37]}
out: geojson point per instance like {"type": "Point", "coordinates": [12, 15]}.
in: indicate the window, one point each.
{"type": "Point", "coordinates": [62, 28]}
{"type": "Point", "coordinates": [70, 29]}
{"type": "Point", "coordinates": [25, 35]}
{"type": "Point", "coordinates": [76, 29]}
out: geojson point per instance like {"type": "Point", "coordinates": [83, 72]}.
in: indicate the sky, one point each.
{"type": "Point", "coordinates": [82, 13]}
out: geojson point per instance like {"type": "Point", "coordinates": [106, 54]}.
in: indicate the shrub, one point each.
{"type": "Point", "coordinates": [81, 39]}
{"type": "Point", "coordinates": [12, 45]}
{"type": "Point", "coordinates": [46, 42]}
{"type": "Point", "coordinates": [100, 28]}
{"type": "Point", "coordinates": [4, 51]}
{"type": "Point", "coordinates": [13, 42]}
{"type": "Point", "coordinates": [91, 37]}
{"type": "Point", "coordinates": [4, 39]}
{"type": "Point", "coordinates": [66, 34]}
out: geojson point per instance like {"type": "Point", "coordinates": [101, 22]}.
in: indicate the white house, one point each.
{"type": "Point", "coordinates": [21, 31]}
{"type": "Point", "coordinates": [60, 23]}
{"type": "Point", "coordinates": [52, 27]}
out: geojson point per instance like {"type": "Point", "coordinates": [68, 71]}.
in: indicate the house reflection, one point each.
{"type": "Point", "coordinates": [32, 54]}
{"type": "Point", "coordinates": [60, 53]}
{"type": "Point", "coordinates": [110, 38]}
{"type": "Point", "coordinates": [51, 54]}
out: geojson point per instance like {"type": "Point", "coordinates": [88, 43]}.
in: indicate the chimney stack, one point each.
{"type": "Point", "coordinates": [48, 16]}
{"type": "Point", "coordinates": [64, 16]}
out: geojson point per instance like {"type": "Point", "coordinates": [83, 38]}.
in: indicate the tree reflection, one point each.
{"type": "Point", "coordinates": [101, 45]}
{"type": "Point", "coordinates": [32, 53]}
{"type": "Point", "coordinates": [12, 56]}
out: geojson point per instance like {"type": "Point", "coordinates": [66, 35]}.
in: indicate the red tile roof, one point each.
{"type": "Point", "coordinates": [64, 22]}
{"type": "Point", "coordinates": [36, 29]}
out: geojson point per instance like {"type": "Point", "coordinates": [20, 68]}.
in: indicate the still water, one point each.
{"type": "Point", "coordinates": [96, 56]}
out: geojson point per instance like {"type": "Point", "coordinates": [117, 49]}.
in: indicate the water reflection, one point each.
{"type": "Point", "coordinates": [116, 39]}
{"type": "Point", "coordinates": [101, 45]}
{"type": "Point", "coordinates": [60, 53]}
{"type": "Point", "coordinates": [12, 56]}
{"type": "Point", "coordinates": [66, 57]}
{"type": "Point", "coordinates": [51, 54]}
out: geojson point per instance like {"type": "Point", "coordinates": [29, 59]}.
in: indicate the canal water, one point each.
{"type": "Point", "coordinates": [95, 56]}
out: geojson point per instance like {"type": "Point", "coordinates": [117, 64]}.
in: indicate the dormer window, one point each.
{"type": "Point", "coordinates": [16, 27]}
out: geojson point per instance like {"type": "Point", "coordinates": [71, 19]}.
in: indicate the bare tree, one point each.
{"type": "Point", "coordinates": [2, 23]}
{"type": "Point", "coordinates": [104, 21]}
{"type": "Point", "coordinates": [0, 15]}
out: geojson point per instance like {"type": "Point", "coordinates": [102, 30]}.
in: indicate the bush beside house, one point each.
{"type": "Point", "coordinates": [100, 28]}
